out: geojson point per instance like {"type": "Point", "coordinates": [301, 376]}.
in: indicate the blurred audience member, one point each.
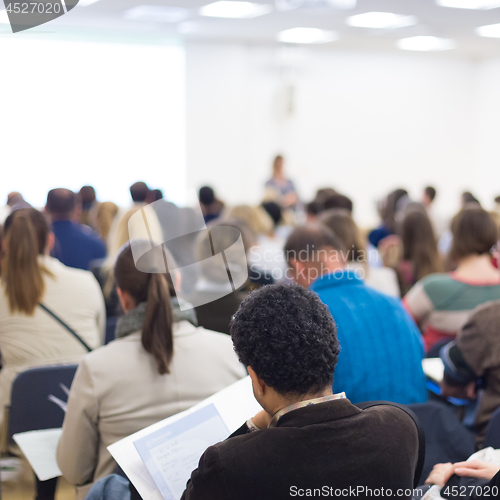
{"type": "Point", "coordinates": [211, 207]}
{"type": "Point", "coordinates": [15, 201]}
{"type": "Point", "coordinates": [256, 218]}
{"type": "Point", "coordinates": [381, 357]}
{"type": "Point", "coordinates": [139, 192]}
{"type": "Point", "coordinates": [442, 303]}
{"type": "Point", "coordinates": [106, 213]}
{"type": "Point", "coordinates": [428, 201]}
{"type": "Point", "coordinates": [468, 197]}
{"type": "Point", "coordinates": [413, 253]}
{"type": "Point", "coordinates": [76, 245]}
{"type": "Point", "coordinates": [89, 205]}
{"type": "Point", "coordinates": [267, 256]}
{"type": "Point", "coordinates": [343, 226]}
{"type": "Point", "coordinates": [472, 364]}
{"type": "Point", "coordinates": [160, 365]}
{"type": "Point", "coordinates": [37, 289]}
{"type": "Point", "coordinates": [279, 188]}
{"type": "Point", "coordinates": [388, 208]}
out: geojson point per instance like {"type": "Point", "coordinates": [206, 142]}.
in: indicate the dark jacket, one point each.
{"type": "Point", "coordinates": [328, 445]}
{"type": "Point", "coordinates": [216, 314]}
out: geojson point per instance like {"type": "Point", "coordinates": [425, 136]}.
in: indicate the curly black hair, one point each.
{"type": "Point", "coordinates": [289, 338]}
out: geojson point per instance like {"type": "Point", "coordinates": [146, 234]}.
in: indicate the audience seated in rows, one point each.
{"type": "Point", "coordinates": [307, 438]}
{"type": "Point", "coordinates": [75, 245]}
{"type": "Point", "coordinates": [383, 279]}
{"type": "Point", "coordinates": [382, 351]}
{"type": "Point", "coordinates": [31, 279]}
{"type": "Point", "coordinates": [160, 364]}
{"type": "Point", "coordinates": [441, 303]}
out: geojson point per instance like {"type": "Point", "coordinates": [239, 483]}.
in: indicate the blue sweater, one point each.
{"type": "Point", "coordinates": [381, 347]}
{"type": "Point", "coordinates": [76, 245]}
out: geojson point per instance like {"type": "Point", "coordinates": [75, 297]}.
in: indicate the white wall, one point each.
{"type": "Point", "coordinates": [364, 123]}
{"type": "Point", "coordinates": [487, 131]}
{"type": "Point", "coordinates": [81, 112]}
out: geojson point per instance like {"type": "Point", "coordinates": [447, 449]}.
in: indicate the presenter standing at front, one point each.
{"type": "Point", "coordinates": [279, 188]}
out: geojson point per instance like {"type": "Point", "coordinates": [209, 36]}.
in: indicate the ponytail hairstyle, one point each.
{"type": "Point", "coordinates": [154, 289]}
{"type": "Point", "coordinates": [26, 232]}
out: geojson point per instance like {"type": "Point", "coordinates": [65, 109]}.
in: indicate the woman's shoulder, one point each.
{"type": "Point", "coordinates": [109, 355]}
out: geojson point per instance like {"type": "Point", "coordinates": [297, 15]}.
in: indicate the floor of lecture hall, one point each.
{"type": "Point", "coordinates": [23, 488]}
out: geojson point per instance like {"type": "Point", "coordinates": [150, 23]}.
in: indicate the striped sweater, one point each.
{"type": "Point", "coordinates": [442, 303]}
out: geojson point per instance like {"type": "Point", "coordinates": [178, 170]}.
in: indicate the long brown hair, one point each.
{"type": "Point", "coordinates": [474, 233]}
{"type": "Point", "coordinates": [26, 232]}
{"type": "Point", "coordinates": [152, 288]}
{"type": "Point", "coordinates": [420, 245]}
{"type": "Point", "coordinates": [340, 221]}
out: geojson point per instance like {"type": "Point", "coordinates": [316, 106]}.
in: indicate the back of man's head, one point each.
{"type": "Point", "coordinates": [288, 337]}
{"type": "Point", "coordinates": [139, 192]}
{"type": "Point", "coordinates": [306, 240]}
{"type": "Point", "coordinates": [61, 203]}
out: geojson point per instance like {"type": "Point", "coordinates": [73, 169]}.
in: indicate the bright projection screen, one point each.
{"type": "Point", "coordinates": [104, 114]}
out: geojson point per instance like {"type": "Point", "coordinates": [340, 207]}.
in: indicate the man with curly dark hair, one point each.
{"type": "Point", "coordinates": [307, 441]}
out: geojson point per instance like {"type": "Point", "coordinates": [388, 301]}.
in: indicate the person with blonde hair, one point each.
{"type": "Point", "coordinates": [35, 290]}
{"type": "Point", "coordinates": [105, 214]}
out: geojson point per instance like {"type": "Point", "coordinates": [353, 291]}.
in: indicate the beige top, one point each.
{"type": "Point", "coordinates": [117, 391]}
{"type": "Point", "coordinates": [29, 341]}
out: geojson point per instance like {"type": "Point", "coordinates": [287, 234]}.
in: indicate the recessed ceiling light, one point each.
{"type": "Point", "coordinates": [426, 43]}
{"type": "Point", "coordinates": [491, 31]}
{"type": "Point", "coordinates": [307, 35]}
{"type": "Point", "coordinates": [86, 3]}
{"type": "Point", "coordinates": [187, 27]}
{"type": "Point", "coordinates": [470, 4]}
{"type": "Point", "coordinates": [381, 20]}
{"type": "Point", "coordinates": [237, 10]}
{"type": "Point", "coordinates": [156, 14]}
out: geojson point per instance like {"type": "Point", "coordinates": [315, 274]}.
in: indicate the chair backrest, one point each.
{"type": "Point", "coordinates": [38, 397]}
{"type": "Point", "coordinates": [492, 437]}
{"type": "Point", "coordinates": [446, 439]}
